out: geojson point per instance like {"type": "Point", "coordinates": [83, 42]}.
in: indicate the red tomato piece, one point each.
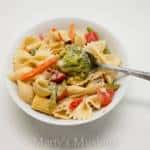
{"type": "Point", "coordinates": [111, 92]}
{"type": "Point", "coordinates": [91, 36]}
{"type": "Point", "coordinates": [57, 76]}
{"type": "Point", "coordinates": [75, 103]}
{"type": "Point", "coordinates": [105, 97]}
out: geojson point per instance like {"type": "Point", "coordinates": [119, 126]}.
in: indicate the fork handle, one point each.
{"type": "Point", "coordinates": [128, 71]}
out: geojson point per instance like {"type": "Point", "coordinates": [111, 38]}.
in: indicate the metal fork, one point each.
{"type": "Point", "coordinates": [127, 71]}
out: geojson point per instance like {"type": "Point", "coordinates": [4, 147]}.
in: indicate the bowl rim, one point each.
{"type": "Point", "coordinates": [54, 122]}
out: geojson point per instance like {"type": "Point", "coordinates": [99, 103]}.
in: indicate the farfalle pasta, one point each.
{"type": "Point", "coordinates": [57, 72]}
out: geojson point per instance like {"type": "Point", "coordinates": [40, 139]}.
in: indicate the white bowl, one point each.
{"type": "Point", "coordinates": [113, 43]}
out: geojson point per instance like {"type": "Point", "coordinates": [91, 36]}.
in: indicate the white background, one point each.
{"type": "Point", "coordinates": [126, 127]}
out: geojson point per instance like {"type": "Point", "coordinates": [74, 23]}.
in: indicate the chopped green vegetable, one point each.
{"type": "Point", "coordinates": [89, 29]}
{"type": "Point", "coordinates": [112, 86]}
{"type": "Point", "coordinates": [75, 61]}
{"type": "Point", "coordinates": [106, 51]}
{"type": "Point", "coordinates": [52, 102]}
{"type": "Point", "coordinates": [61, 52]}
{"type": "Point", "coordinates": [33, 52]}
{"type": "Point", "coordinates": [61, 88]}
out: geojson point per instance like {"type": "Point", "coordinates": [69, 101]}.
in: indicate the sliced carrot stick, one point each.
{"type": "Point", "coordinates": [40, 68]}
{"type": "Point", "coordinates": [72, 31]}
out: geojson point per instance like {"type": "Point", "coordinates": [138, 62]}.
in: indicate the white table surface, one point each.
{"type": "Point", "coordinates": [128, 125]}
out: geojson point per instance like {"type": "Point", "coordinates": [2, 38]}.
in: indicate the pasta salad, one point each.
{"type": "Point", "coordinates": [57, 72]}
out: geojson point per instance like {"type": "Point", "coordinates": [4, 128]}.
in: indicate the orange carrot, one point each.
{"type": "Point", "coordinates": [72, 32]}
{"type": "Point", "coordinates": [40, 68]}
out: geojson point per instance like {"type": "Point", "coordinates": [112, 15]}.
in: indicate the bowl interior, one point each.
{"type": "Point", "coordinates": [63, 23]}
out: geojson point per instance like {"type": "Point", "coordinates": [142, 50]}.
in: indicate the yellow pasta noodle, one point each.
{"type": "Point", "coordinates": [41, 88]}
{"type": "Point", "coordinates": [25, 91]}
{"type": "Point", "coordinates": [94, 101]}
{"type": "Point", "coordinates": [83, 111]}
{"type": "Point", "coordinates": [41, 104]}
{"type": "Point", "coordinates": [21, 57]}
{"type": "Point", "coordinates": [111, 59]}
{"type": "Point", "coordinates": [79, 39]}
{"type": "Point", "coordinates": [17, 74]}
{"type": "Point", "coordinates": [62, 110]}
{"type": "Point", "coordinates": [64, 35]}
{"type": "Point", "coordinates": [30, 42]}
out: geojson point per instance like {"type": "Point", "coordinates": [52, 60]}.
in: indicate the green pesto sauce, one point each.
{"type": "Point", "coordinates": [75, 61]}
